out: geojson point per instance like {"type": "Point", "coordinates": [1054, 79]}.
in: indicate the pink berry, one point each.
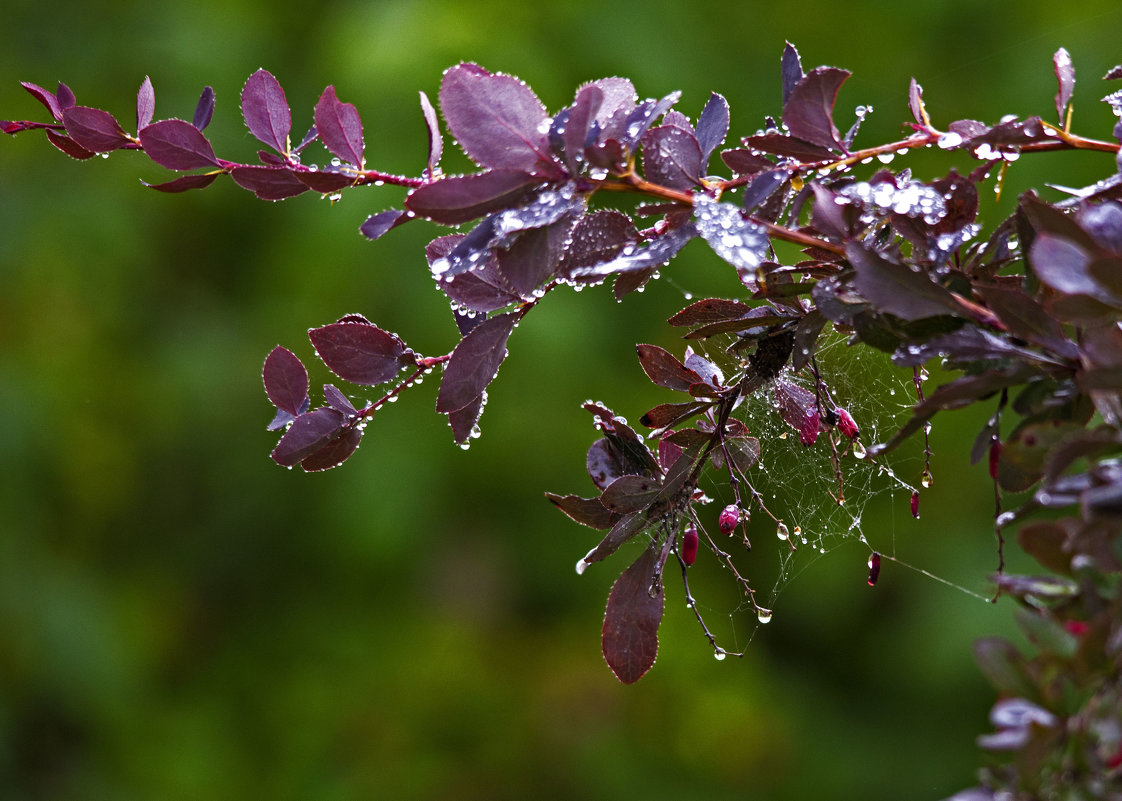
{"type": "Point", "coordinates": [995, 457]}
{"type": "Point", "coordinates": [689, 545]}
{"type": "Point", "coordinates": [874, 568]}
{"type": "Point", "coordinates": [728, 519]}
{"type": "Point", "coordinates": [915, 505]}
{"type": "Point", "coordinates": [846, 424]}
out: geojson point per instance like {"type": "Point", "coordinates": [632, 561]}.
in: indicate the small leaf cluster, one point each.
{"type": "Point", "coordinates": [1025, 316]}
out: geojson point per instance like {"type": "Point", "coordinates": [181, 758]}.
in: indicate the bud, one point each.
{"type": "Point", "coordinates": [995, 457]}
{"type": "Point", "coordinates": [915, 505]}
{"type": "Point", "coordinates": [846, 424]}
{"type": "Point", "coordinates": [729, 518]}
{"type": "Point", "coordinates": [874, 568]}
{"type": "Point", "coordinates": [689, 545]}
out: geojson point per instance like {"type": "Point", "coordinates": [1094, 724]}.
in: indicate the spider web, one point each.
{"type": "Point", "coordinates": [796, 518]}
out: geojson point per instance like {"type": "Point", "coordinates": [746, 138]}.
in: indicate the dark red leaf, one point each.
{"type": "Point", "coordinates": [581, 116]}
{"type": "Point", "coordinates": [462, 198]}
{"type": "Point", "coordinates": [307, 434]}
{"type": "Point", "coordinates": [799, 409]}
{"type": "Point", "coordinates": [177, 145]}
{"type": "Point", "coordinates": [630, 493]}
{"type": "Point", "coordinates": [791, 146]}
{"type": "Point", "coordinates": [474, 363]}
{"type": "Point", "coordinates": [497, 119]}
{"type": "Point", "coordinates": [809, 110]}
{"type": "Point", "coordinates": [65, 96]}
{"type": "Point", "coordinates": [534, 256]}
{"type": "Point", "coordinates": [94, 129]}
{"type": "Point", "coordinates": [145, 104]}
{"type": "Point", "coordinates": [599, 237]}
{"type": "Point", "coordinates": [204, 109]}
{"type": "Point", "coordinates": [335, 452]}
{"type": "Point", "coordinates": [48, 99]}
{"type": "Point", "coordinates": [268, 183]}
{"type": "Point", "coordinates": [664, 369]}
{"type": "Point", "coordinates": [483, 289]}
{"type": "Point", "coordinates": [630, 635]}
{"type": "Point", "coordinates": [322, 181]}
{"type": "Point", "coordinates": [463, 421]}
{"type": "Point", "coordinates": [671, 157]}
{"type": "Point", "coordinates": [791, 70]}
{"type": "Point", "coordinates": [709, 310]}
{"type": "Point", "coordinates": [744, 162]}
{"type": "Point", "coordinates": [666, 415]}
{"type": "Point", "coordinates": [744, 452]}
{"type": "Point", "coordinates": [361, 353]}
{"type": "Point", "coordinates": [286, 380]}
{"type": "Point", "coordinates": [1064, 265]}
{"type": "Point", "coordinates": [185, 183]}
{"type": "Point", "coordinates": [896, 288]}
{"type": "Point", "coordinates": [265, 110]}
{"type": "Point", "coordinates": [377, 225]}
{"type": "Point", "coordinates": [340, 127]}
{"type": "Point", "coordinates": [68, 146]}
{"type": "Point", "coordinates": [915, 103]}
{"type": "Point", "coordinates": [586, 511]}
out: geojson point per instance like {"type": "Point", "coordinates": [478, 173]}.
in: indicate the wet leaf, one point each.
{"type": "Point", "coordinates": [497, 119]}
{"type": "Point", "coordinates": [268, 183]}
{"type": "Point", "coordinates": [432, 126]}
{"type": "Point", "coordinates": [791, 70]}
{"type": "Point", "coordinates": [94, 129]}
{"type": "Point", "coordinates": [667, 415]}
{"type": "Point", "coordinates": [534, 256]}
{"type": "Point", "coordinates": [737, 240]}
{"type": "Point", "coordinates": [474, 363]}
{"type": "Point", "coordinates": [896, 288]}
{"type": "Point", "coordinates": [743, 452]}
{"type": "Point", "coordinates": [185, 183]}
{"type": "Point", "coordinates": [340, 127]}
{"type": "Point", "coordinates": [672, 157]}
{"type": "Point", "coordinates": [377, 225]}
{"type": "Point", "coordinates": [630, 493]}
{"type": "Point", "coordinates": [177, 145]}
{"type": "Point", "coordinates": [204, 109]}
{"type": "Point", "coordinates": [586, 511]}
{"type": "Point", "coordinates": [809, 110]}
{"type": "Point", "coordinates": [45, 97]}
{"type": "Point", "coordinates": [598, 238]}
{"type": "Point", "coordinates": [335, 452]}
{"type": "Point", "coordinates": [360, 353]}
{"type": "Point", "coordinates": [308, 433]}
{"type": "Point", "coordinates": [658, 252]}
{"type": "Point", "coordinates": [630, 634]}
{"type": "Point", "coordinates": [1065, 76]}
{"type": "Point", "coordinates": [744, 162]}
{"type": "Point", "coordinates": [712, 126]}
{"type": "Point", "coordinates": [799, 409]}
{"type": "Point", "coordinates": [664, 369]}
{"type": "Point", "coordinates": [286, 381]}
{"type": "Point", "coordinates": [790, 146]}
{"type": "Point", "coordinates": [467, 197]}
{"type": "Point", "coordinates": [265, 110]}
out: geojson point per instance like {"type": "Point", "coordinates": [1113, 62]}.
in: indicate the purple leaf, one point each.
{"type": "Point", "coordinates": [48, 99]}
{"type": "Point", "coordinates": [744, 162]}
{"type": "Point", "coordinates": [643, 117]}
{"type": "Point", "coordinates": [335, 452]}
{"type": "Point", "coordinates": [659, 251]}
{"type": "Point", "coordinates": [664, 369]}
{"type": "Point", "coordinates": [599, 237]}
{"type": "Point", "coordinates": [791, 146]}
{"type": "Point", "coordinates": [621, 531]}
{"type": "Point", "coordinates": [94, 129]}
{"type": "Point", "coordinates": [497, 119]}
{"type": "Point", "coordinates": [629, 639]}
{"type": "Point", "coordinates": [630, 493]}
{"type": "Point", "coordinates": [672, 157]}
{"type": "Point", "coordinates": [322, 181]}
{"type": "Point", "coordinates": [791, 70]}
{"type": "Point", "coordinates": [377, 225]}
{"type": "Point", "coordinates": [1065, 76]}
{"type": "Point", "coordinates": [586, 511]}
{"type": "Point", "coordinates": [65, 96]}
{"type": "Point", "coordinates": [709, 310]}
{"type": "Point", "coordinates": [474, 363]}
{"type": "Point", "coordinates": [896, 288]}
{"type": "Point", "coordinates": [809, 111]}
{"type": "Point", "coordinates": [915, 103]}
{"type": "Point", "coordinates": [361, 353]}
{"type": "Point", "coordinates": [436, 139]}
{"type": "Point", "coordinates": [339, 127]}
{"type": "Point", "coordinates": [266, 111]}
{"type": "Point", "coordinates": [338, 401]}
{"type": "Point", "coordinates": [534, 256]}
{"type": "Point", "coordinates": [799, 409]}
{"type": "Point", "coordinates": [268, 183]}
{"type": "Point", "coordinates": [204, 109]}
{"type": "Point", "coordinates": [483, 289]}
{"type": "Point", "coordinates": [1064, 266]}
{"type": "Point", "coordinates": [308, 433]}
{"type": "Point", "coordinates": [286, 380]}
{"type": "Point", "coordinates": [603, 463]}
{"type": "Point", "coordinates": [667, 415]}
{"type": "Point", "coordinates": [463, 421]}
{"type": "Point", "coordinates": [619, 99]}
{"type": "Point", "coordinates": [177, 145]}
{"type": "Point", "coordinates": [145, 104]}
{"type": "Point", "coordinates": [466, 197]}
{"type": "Point", "coordinates": [582, 115]}
{"type": "Point", "coordinates": [68, 146]}
{"type": "Point", "coordinates": [185, 183]}
{"type": "Point", "coordinates": [712, 126]}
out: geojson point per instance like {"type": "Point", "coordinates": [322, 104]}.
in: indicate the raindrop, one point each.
{"type": "Point", "coordinates": [950, 140]}
{"type": "Point", "coordinates": [581, 566]}
{"type": "Point", "coordinates": [926, 479]}
{"type": "Point", "coordinates": [1004, 519]}
{"type": "Point", "coordinates": [720, 654]}
{"type": "Point", "coordinates": [781, 531]}
{"type": "Point", "coordinates": [763, 615]}
{"type": "Point", "coordinates": [885, 158]}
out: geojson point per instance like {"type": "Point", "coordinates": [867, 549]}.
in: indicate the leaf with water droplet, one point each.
{"type": "Point", "coordinates": [1065, 76]}
{"type": "Point", "coordinates": [799, 409]}
{"type": "Point", "coordinates": [672, 157]}
{"type": "Point", "coordinates": [145, 103]}
{"type": "Point", "coordinates": [586, 511]}
{"type": "Point", "coordinates": [461, 198]}
{"type": "Point", "coordinates": [664, 369]}
{"type": "Point", "coordinates": [474, 363]}
{"type": "Point", "coordinates": [734, 238]}
{"type": "Point", "coordinates": [286, 381]}
{"type": "Point", "coordinates": [361, 353]}
{"type": "Point", "coordinates": [340, 127]}
{"type": "Point", "coordinates": [497, 120]}
{"type": "Point", "coordinates": [265, 110]}
{"type": "Point", "coordinates": [308, 433]}
{"type": "Point", "coordinates": [897, 289]}
{"type": "Point", "coordinates": [791, 70]}
{"type": "Point", "coordinates": [712, 126]}
{"type": "Point", "coordinates": [534, 256]}
{"type": "Point", "coordinates": [630, 493]}
{"type": "Point", "coordinates": [94, 129]}
{"type": "Point", "coordinates": [629, 639]}
{"type": "Point", "coordinates": [268, 183]}
{"type": "Point", "coordinates": [597, 238]}
{"type": "Point", "coordinates": [808, 111]}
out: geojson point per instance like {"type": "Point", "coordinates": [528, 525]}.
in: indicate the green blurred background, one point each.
{"type": "Point", "coordinates": [182, 619]}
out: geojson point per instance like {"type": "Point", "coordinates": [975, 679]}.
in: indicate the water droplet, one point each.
{"type": "Point", "coordinates": [763, 615]}
{"type": "Point", "coordinates": [859, 451]}
{"type": "Point", "coordinates": [1004, 519]}
{"type": "Point", "coordinates": [781, 531]}
{"type": "Point", "coordinates": [581, 566]}
{"type": "Point", "coordinates": [885, 158]}
{"type": "Point", "coordinates": [720, 654]}
{"type": "Point", "coordinates": [926, 479]}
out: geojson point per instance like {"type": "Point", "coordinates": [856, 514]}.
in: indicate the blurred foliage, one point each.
{"type": "Point", "coordinates": [181, 619]}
